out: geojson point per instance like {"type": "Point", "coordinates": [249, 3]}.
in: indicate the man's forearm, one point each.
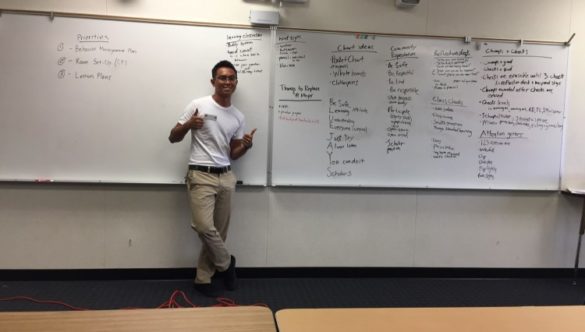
{"type": "Point", "coordinates": [239, 150]}
{"type": "Point", "coordinates": [178, 132]}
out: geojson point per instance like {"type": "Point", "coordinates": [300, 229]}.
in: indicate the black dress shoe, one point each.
{"type": "Point", "coordinates": [208, 290]}
{"type": "Point", "coordinates": [230, 279]}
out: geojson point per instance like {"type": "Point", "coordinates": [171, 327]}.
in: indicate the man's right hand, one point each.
{"type": "Point", "coordinates": [196, 121]}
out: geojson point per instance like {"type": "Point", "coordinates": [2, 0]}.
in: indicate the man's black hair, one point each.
{"type": "Point", "coordinates": [222, 64]}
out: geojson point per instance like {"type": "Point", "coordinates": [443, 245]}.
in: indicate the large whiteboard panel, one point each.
{"type": "Point", "coordinates": [364, 110]}
{"type": "Point", "coordinates": [94, 100]}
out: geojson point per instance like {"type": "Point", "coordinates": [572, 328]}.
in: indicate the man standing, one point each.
{"type": "Point", "coordinates": [217, 136]}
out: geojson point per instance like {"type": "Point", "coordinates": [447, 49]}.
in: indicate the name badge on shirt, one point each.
{"type": "Point", "coordinates": [210, 117]}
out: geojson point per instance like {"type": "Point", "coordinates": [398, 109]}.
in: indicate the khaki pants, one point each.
{"type": "Point", "coordinates": [210, 197]}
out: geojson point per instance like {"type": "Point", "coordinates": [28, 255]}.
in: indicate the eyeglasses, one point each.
{"type": "Point", "coordinates": [226, 78]}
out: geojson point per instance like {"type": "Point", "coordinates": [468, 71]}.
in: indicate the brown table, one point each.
{"type": "Point", "coordinates": [501, 319]}
{"type": "Point", "coordinates": [217, 319]}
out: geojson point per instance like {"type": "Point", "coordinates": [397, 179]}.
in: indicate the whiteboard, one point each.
{"type": "Point", "coordinates": [380, 111]}
{"type": "Point", "coordinates": [89, 100]}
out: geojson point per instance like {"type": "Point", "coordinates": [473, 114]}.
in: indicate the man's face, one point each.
{"type": "Point", "coordinates": [225, 82]}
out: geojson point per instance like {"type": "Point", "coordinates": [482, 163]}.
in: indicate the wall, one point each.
{"type": "Point", "coordinates": [131, 226]}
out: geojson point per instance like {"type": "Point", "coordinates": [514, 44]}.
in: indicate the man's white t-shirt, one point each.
{"type": "Point", "coordinates": [210, 145]}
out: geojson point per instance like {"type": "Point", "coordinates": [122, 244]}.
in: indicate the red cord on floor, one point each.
{"type": "Point", "coordinates": [30, 299]}
{"type": "Point", "coordinates": [174, 301]}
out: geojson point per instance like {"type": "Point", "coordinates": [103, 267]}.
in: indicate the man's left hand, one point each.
{"type": "Point", "coordinates": [247, 140]}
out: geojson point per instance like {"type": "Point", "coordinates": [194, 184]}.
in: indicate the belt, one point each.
{"type": "Point", "coordinates": [210, 169]}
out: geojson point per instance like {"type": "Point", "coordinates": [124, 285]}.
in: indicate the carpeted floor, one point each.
{"type": "Point", "coordinates": [280, 293]}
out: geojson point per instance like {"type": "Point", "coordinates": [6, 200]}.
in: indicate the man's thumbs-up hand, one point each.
{"type": "Point", "coordinates": [196, 122]}
{"type": "Point", "coordinates": [248, 139]}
